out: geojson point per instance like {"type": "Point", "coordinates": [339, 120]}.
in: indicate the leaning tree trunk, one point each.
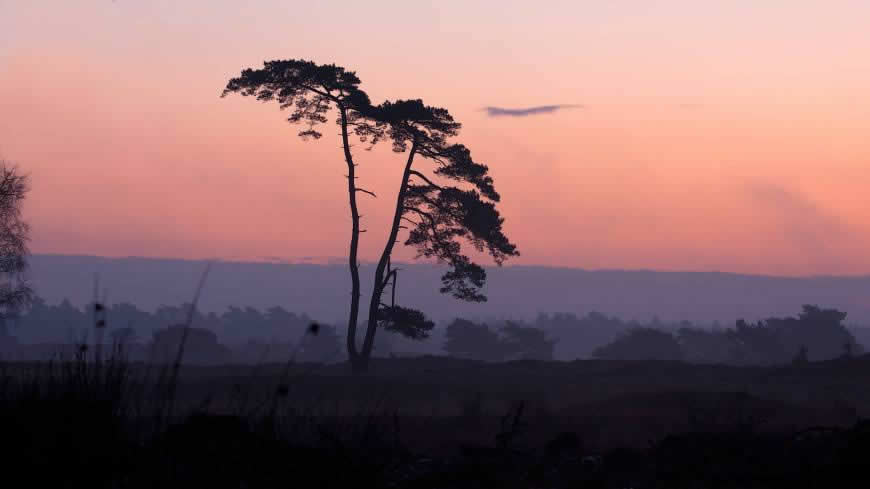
{"type": "Point", "coordinates": [380, 283]}
{"type": "Point", "coordinates": [353, 262]}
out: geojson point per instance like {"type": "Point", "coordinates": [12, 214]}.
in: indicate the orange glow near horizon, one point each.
{"type": "Point", "coordinates": [730, 138]}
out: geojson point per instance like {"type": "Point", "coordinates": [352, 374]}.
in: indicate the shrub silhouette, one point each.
{"type": "Point", "coordinates": [201, 346]}
{"type": "Point", "coordinates": [768, 342]}
{"type": "Point", "coordinates": [777, 340]}
{"type": "Point", "coordinates": [526, 343]}
{"type": "Point", "coordinates": [642, 344]}
{"type": "Point", "coordinates": [466, 339]}
{"type": "Point", "coordinates": [802, 356]}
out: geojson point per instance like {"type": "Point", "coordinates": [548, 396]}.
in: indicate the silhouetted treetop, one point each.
{"type": "Point", "coordinates": [427, 129]}
{"type": "Point", "coordinates": [409, 121]}
{"type": "Point", "coordinates": [824, 317]}
{"type": "Point", "coordinates": [309, 89]}
{"type": "Point", "coordinates": [408, 322]}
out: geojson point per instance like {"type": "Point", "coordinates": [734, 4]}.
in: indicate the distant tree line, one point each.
{"type": "Point", "coordinates": [249, 335]}
{"type": "Point", "coordinates": [238, 334]}
{"type": "Point", "coordinates": [512, 341]}
{"type": "Point", "coordinates": [815, 334]}
{"type": "Point", "coordinates": [43, 322]}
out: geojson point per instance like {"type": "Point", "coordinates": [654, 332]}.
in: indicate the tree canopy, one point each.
{"type": "Point", "coordinates": [442, 216]}
{"type": "Point", "coordinates": [309, 90]}
{"type": "Point", "coordinates": [15, 292]}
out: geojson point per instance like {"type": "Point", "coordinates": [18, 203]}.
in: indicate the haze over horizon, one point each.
{"type": "Point", "coordinates": [514, 292]}
{"type": "Point", "coordinates": [339, 260]}
{"type": "Point", "coordinates": [683, 135]}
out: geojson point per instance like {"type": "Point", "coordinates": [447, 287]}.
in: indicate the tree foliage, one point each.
{"type": "Point", "coordinates": [15, 292]}
{"type": "Point", "coordinates": [309, 90]}
{"type": "Point", "coordinates": [408, 322]}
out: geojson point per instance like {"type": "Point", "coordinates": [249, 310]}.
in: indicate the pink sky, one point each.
{"type": "Point", "coordinates": [731, 137]}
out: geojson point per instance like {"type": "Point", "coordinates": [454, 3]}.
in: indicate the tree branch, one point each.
{"type": "Point", "coordinates": [387, 279]}
{"type": "Point", "coordinates": [422, 213]}
{"type": "Point", "coordinates": [321, 93]}
{"type": "Point", "coordinates": [366, 192]}
{"type": "Point", "coordinates": [425, 179]}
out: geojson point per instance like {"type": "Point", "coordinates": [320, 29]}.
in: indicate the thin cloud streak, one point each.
{"type": "Point", "coordinates": [525, 112]}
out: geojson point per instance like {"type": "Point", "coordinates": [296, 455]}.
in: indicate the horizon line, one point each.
{"type": "Point", "coordinates": [336, 261]}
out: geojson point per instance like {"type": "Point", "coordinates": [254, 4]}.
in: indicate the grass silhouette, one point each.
{"type": "Point", "coordinates": [69, 423]}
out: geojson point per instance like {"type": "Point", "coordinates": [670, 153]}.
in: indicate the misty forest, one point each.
{"type": "Point", "coordinates": [441, 359]}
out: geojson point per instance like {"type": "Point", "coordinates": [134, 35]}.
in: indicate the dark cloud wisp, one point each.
{"type": "Point", "coordinates": [541, 109]}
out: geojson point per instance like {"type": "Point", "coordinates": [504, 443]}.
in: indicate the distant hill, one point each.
{"type": "Point", "coordinates": [514, 292]}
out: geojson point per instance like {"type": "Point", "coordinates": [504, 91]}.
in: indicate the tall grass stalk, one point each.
{"type": "Point", "coordinates": [176, 365]}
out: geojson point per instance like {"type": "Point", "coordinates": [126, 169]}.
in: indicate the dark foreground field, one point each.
{"type": "Point", "coordinates": [438, 423]}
